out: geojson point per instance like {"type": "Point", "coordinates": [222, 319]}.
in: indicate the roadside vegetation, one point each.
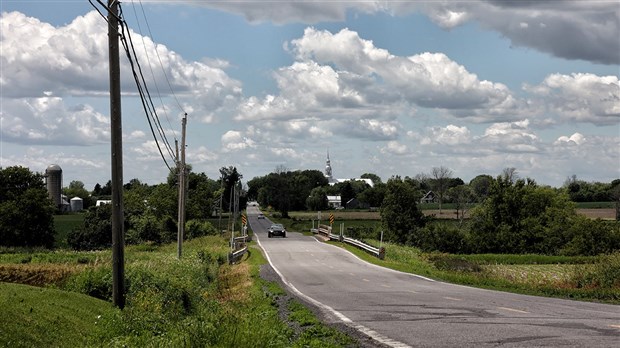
{"type": "Point", "coordinates": [199, 300]}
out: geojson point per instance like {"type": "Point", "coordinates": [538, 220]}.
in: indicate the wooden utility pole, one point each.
{"type": "Point", "coordinates": [182, 191]}
{"type": "Point", "coordinates": [118, 233]}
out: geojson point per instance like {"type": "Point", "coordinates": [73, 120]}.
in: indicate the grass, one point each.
{"type": "Point", "coordinates": [37, 317]}
{"type": "Point", "coordinates": [199, 300]}
{"type": "Point", "coordinates": [589, 279]}
{"type": "Point", "coordinates": [65, 224]}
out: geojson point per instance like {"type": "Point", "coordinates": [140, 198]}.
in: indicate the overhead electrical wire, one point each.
{"type": "Point", "coordinates": [145, 96]}
{"type": "Point", "coordinates": [148, 59]}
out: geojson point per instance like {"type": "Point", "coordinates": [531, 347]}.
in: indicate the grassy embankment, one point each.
{"type": "Point", "coordinates": [197, 301]}
{"type": "Point", "coordinates": [584, 278]}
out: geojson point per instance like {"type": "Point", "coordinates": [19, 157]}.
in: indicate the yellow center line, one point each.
{"type": "Point", "coordinates": [615, 326]}
{"type": "Point", "coordinates": [453, 298]}
{"type": "Point", "coordinates": [385, 286]}
{"type": "Point", "coordinates": [413, 292]}
{"type": "Point", "coordinates": [366, 280]}
{"type": "Point", "coordinates": [353, 274]}
{"type": "Point", "coordinates": [513, 310]}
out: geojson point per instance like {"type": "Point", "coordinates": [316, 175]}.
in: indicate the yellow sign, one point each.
{"type": "Point", "coordinates": [244, 220]}
{"type": "Point", "coordinates": [331, 219]}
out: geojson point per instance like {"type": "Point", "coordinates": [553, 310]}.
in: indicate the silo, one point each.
{"type": "Point", "coordinates": [77, 204]}
{"type": "Point", "coordinates": [53, 176]}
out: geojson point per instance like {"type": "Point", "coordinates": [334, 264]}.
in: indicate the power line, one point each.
{"type": "Point", "coordinates": [150, 66]}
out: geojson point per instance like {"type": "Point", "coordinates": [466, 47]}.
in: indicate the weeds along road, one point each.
{"type": "Point", "coordinates": [402, 310]}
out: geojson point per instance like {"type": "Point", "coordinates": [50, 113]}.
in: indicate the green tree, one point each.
{"type": "Point", "coordinates": [374, 177]}
{"type": "Point", "coordinates": [400, 215]}
{"type": "Point", "coordinates": [96, 232]}
{"type": "Point", "coordinates": [317, 200]}
{"type": "Point", "coordinates": [26, 212]}
{"type": "Point", "coordinates": [480, 186]}
{"type": "Point", "coordinates": [76, 189]}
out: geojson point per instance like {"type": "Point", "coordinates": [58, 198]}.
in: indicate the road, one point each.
{"type": "Point", "coordinates": [404, 310]}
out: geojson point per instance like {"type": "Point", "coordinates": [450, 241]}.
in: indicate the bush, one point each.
{"type": "Point", "coordinates": [442, 237]}
{"type": "Point", "coordinates": [95, 282]}
{"type": "Point", "coordinates": [198, 228]}
{"type": "Point", "coordinates": [604, 274]}
{"type": "Point", "coordinates": [96, 232]}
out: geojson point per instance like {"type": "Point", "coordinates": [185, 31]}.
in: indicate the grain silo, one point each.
{"type": "Point", "coordinates": [53, 177]}
{"type": "Point", "coordinates": [77, 204]}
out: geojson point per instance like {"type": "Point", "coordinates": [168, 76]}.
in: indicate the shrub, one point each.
{"type": "Point", "coordinates": [198, 228]}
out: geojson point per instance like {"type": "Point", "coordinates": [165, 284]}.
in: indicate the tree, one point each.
{"type": "Point", "coordinates": [481, 186]}
{"type": "Point", "coordinates": [441, 177]}
{"type": "Point", "coordinates": [461, 195]}
{"type": "Point", "coordinates": [400, 215]}
{"type": "Point", "coordinates": [317, 200]}
{"type": "Point", "coordinates": [374, 177]}
{"type": "Point", "coordinates": [230, 176]}
{"type": "Point", "coordinates": [76, 189]}
{"type": "Point", "coordinates": [510, 174]}
{"type": "Point", "coordinates": [96, 232]}
{"type": "Point", "coordinates": [26, 212]}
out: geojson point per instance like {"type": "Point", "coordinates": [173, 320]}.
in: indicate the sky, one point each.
{"type": "Point", "coordinates": [384, 87]}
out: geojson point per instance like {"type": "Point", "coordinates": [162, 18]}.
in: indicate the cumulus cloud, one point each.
{"type": "Point", "coordinates": [576, 138]}
{"type": "Point", "coordinates": [236, 141]}
{"type": "Point", "coordinates": [42, 65]}
{"type": "Point", "coordinates": [580, 97]}
{"type": "Point", "coordinates": [568, 29]}
{"type": "Point", "coordinates": [342, 75]}
{"type": "Point", "coordinates": [449, 135]}
{"type": "Point", "coordinates": [47, 120]}
{"type": "Point", "coordinates": [511, 137]}
{"type": "Point", "coordinates": [395, 148]}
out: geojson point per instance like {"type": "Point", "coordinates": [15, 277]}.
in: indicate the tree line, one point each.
{"type": "Point", "coordinates": [150, 211]}
{"type": "Point", "coordinates": [507, 214]}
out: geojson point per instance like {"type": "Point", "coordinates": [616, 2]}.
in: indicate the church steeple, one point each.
{"type": "Point", "coordinates": [328, 168]}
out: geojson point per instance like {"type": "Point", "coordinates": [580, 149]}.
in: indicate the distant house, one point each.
{"type": "Point", "coordinates": [103, 201]}
{"type": "Point", "coordinates": [429, 197]}
{"type": "Point", "coordinates": [334, 201]}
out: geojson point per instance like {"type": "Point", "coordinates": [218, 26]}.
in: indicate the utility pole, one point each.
{"type": "Point", "coordinates": [118, 233]}
{"type": "Point", "coordinates": [182, 191]}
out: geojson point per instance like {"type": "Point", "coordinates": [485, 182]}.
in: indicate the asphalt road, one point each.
{"type": "Point", "coordinates": [404, 310]}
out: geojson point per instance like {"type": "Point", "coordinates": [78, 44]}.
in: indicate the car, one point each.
{"type": "Point", "coordinates": [276, 230]}
{"type": "Point", "coordinates": [261, 216]}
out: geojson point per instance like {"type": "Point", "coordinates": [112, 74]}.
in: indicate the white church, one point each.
{"type": "Point", "coordinates": [332, 181]}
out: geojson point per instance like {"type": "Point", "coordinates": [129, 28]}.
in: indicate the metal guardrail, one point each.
{"type": "Point", "coordinates": [326, 231]}
{"type": "Point", "coordinates": [239, 247]}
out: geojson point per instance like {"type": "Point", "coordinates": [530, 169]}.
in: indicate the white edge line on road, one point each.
{"type": "Point", "coordinates": [371, 333]}
{"type": "Point", "coordinates": [377, 266]}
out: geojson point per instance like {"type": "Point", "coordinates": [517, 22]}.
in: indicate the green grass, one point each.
{"type": "Point", "coordinates": [65, 224]}
{"type": "Point", "coordinates": [37, 317]}
{"type": "Point", "coordinates": [197, 301]}
{"type": "Point", "coordinates": [598, 280]}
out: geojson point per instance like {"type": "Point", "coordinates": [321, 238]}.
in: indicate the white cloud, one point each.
{"type": "Point", "coordinates": [235, 141]}
{"type": "Point", "coordinates": [576, 139]}
{"type": "Point", "coordinates": [569, 29]}
{"type": "Point", "coordinates": [47, 121]}
{"type": "Point", "coordinates": [580, 97]}
{"type": "Point", "coordinates": [395, 148]}
{"type": "Point", "coordinates": [449, 135]}
{"type": "Point", "coordinates": [43, 65]}
{"type": "Point", "coordinates": [344, 76]}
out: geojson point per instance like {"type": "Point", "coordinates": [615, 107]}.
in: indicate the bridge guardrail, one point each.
{"type": "Point", "coordinates": [239, 247]}
{"type": "Point", "coordinates": [326, 231]}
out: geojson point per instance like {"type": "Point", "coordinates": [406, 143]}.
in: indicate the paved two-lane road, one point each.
{"type": "Point", "coordinates": [400, 309]}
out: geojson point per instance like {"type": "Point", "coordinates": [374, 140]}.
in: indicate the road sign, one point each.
{"type": "Point", "coordinates": [244, 220]}
{"type": "Point", "coordinates": [331, 219]}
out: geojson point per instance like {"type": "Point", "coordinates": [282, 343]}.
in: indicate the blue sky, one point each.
{"type": "Point", "coordinates": [391, 88]}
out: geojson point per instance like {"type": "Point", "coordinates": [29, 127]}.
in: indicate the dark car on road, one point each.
{"type": "Point", "coordinates": [261, 216]}
{"type": "Point", "coordinates": [276, 230]}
